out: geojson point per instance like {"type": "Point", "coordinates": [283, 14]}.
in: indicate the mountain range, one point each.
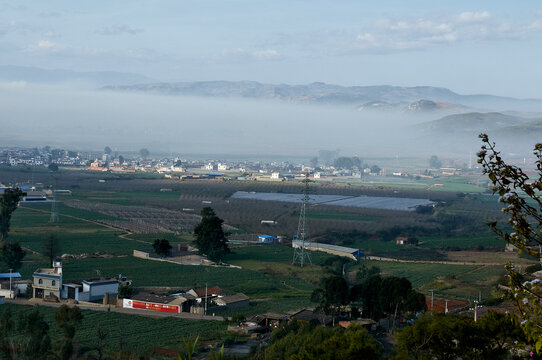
{"type": "Point", "coordinates": [383, 96]}
{"type": "Point", "coordinates": [459, 131]}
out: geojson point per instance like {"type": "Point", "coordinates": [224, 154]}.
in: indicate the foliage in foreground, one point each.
{"type": "Point", "coordinates": [454, 337]}
{"type": "Point", "coordinates": [522, 204]}
{"type": "Point", "coordinates": [301, 341]}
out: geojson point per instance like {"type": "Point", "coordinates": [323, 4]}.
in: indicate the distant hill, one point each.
{"type": "Point", "coordinates": [382, 96]}
{"type": "Point", "coordinates": [529, 129]}
{"type": "Point", "coordinates": [11, 73]}
{"type": "Point", "coordinates": [470, 122]}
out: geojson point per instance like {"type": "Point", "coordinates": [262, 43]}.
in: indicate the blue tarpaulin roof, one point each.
{"type": "Point", "coordinates": [13, 275]}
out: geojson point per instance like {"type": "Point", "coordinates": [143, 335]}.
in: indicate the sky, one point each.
{"type": "Point", "coordinates": [470, 47]}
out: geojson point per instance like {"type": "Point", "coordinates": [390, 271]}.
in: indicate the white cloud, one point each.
{"type": "Point", "coordinates": [46, 44]}
{"type": "Point", "coordinates": [536, 25]}
{"type": "Point", "coordinates": [468, 16]}
{"type": "Point", "coordinates": [414, 34]}
{"type": "Point", "coordinates": [267, 54]}
{"type": "Point", "coordinates": [241, 55]}
{"type": "Point", "coordinates": [367, 37]}
{"type": "Point", "coordinates": [119, 29]}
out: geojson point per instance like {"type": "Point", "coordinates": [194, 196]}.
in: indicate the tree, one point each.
{"type": "Point", "coordinates": [8, 204]}
{"type": "Point", "coordinates": [314, 162]}
{"type": "Point", "coordinates": [7, 327]}
{"type": "Point", "coordinates": [356, 162]}
{"type": "Point", "coordinates": [161, 247]}
{"type": "Point", "coordinates": [125, 291]}
{"type": "Point", "coordinates": [332, 296]}
{"type": "Point", "coordinates": [296, 341]}
{"type": "Point", "coordinates": [53, 167]}
{"type": "Point", "coordinates": [67, 320]}
{"type": "Point", "coordinates": [434, 162]}
{"type": "Point", "coordinates": [108, 150]}
{"type": "Point", "coordinates": [211, 240]}
{"type": "Point", "coordinates": [455, 337]}
{"type": "Point", "coordinates": [13, 255]}
{"type": "Point", "coordinates": [121, 159]}
{"type": "Point", "coordinates": [144, 153]}
{"type": "Point", "coordinates": [36, 334]}
{"type": "Point", "coordinates": [343, 163]}
{"type": "Point", "coordinates": [51, 247]}
{"type": "Point", "coordinates": [523, 206]}
{"type": "Point", "coordinates": [101, 334]}
{"type": "Point", "coordinates": [375, 169]}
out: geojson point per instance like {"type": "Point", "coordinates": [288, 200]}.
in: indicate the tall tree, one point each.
{"type": "Point", "coordinates": [13, 255]}
{"type": "Point", "coordinates": [332, 296]}
{"type": "Point", "coordinates": [53, 167]}
{"type": "Point", "coordinates": [67, 320]}
{"type": "Point", "coordinates": [434, 162]}
{"type": "Point", "coordinates": [8, 204]}
{"type": "Point", "coordinates": [108, 150]}
{"type": "Point", "coordinates": [144, 153]}
{"type": "Point", "coordinates": [211, 240]}
{"type": "Point", "coordinates": [162, 247]}
{"type": "Point", "coordinates": [36, 334]}
{"type": "Point", "coordinates": [51, 247]}
{"type": "Point", "coordinates": [314, 162]}
{"type": "Point", "coordinates": [523, 207]}
{"type": "Point", "coordinates": [121, 159]}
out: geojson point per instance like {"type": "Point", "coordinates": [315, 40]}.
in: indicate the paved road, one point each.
{"type": "Point", "coordinates": [379, 258]}
{"type": "Point", "coordinates": [148, 313]}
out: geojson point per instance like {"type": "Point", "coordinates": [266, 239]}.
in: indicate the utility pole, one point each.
{"type": "Point", "coordinates": [205, 310]}
{"type": "Point", "coordinates": [475, 310]}
{"type": "Point", "coordinates": [446, 309]}
{"type": "Point", "coordinates": [432, 298]}
{"type": "Point", "coordinates": [10, 272]}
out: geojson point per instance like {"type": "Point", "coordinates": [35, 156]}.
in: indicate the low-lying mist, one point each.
{"type": "Point", "coordinates": [79, 119]}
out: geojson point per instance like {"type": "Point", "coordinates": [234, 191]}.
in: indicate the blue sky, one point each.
{"type": "Point", "coordinates": [470, 47]}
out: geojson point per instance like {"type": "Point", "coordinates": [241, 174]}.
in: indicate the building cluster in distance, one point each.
{"type": "Point", "coordinates": [175, 167]}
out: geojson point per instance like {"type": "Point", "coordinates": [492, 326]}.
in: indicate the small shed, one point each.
{"type": "Point", "coordinates": [266, 239]}
{"type": "Point", "coordinates": [401, 240]}
{"type": "Point", "coordinates": [96, 289]}
{"type": "Point", "coordinates": [233, 301]}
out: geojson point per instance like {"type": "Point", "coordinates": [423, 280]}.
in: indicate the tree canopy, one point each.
{"type": "Point", "coordinates": [8, 204]}
{"type": "Point", "coordinates": [144, 153]}
{"type": "Point", "coordinates": [434, 162]}
{"type": "Point", "coordinates": [51, 247]}
{"type": "Point", "coordinates": [454, 337]}
{"type": "Point", "coordinates": [211, 240]}
{"type": "Point", "coordinates": [301, 341]}
{"type": "Point", "coordinates": [162, 247]}
{"type": "Point", "coordinates": [13, 255]}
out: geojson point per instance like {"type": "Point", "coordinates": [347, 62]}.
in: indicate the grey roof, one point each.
{"type": "Point", "coordinates": [154, 298]}
{"type": "Point", "coordinates": [232, 298]}
{"type": "Point", "coordinates": [315, 246]}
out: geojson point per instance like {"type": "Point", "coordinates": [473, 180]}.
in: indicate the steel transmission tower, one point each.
{"type": "Point", "coordinates": [301, 255]}
{"type": "Point", "coordinates": [54, 207]}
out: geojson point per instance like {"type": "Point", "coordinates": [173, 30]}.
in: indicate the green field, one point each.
{"type": "Point", "coordinates": [138, 334]}
{"type": "Point", "coordinates": [30, 227]}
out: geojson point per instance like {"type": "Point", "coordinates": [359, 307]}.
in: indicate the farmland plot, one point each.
{"type": "Point", "coordinates": [140, 219]}
{"type": "Point", "coordinates": [363, 201]}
